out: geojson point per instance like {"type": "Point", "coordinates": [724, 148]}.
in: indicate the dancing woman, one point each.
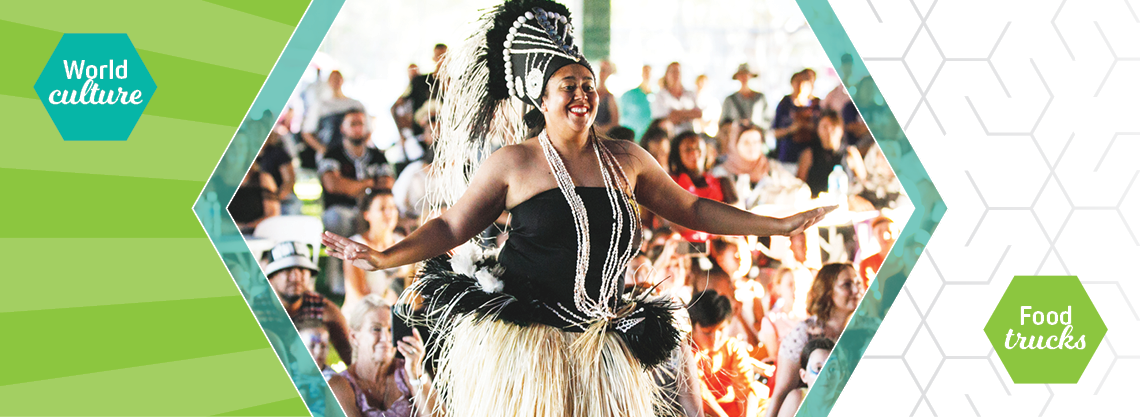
{"type": "Point", "coordinates": [542, 328]}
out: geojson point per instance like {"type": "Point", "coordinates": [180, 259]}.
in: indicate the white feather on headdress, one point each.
{"type": "Point", "coordinates": [461, 146]}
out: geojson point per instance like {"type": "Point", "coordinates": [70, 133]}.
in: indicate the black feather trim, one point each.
{"type": "Point", "coordinates": [448, 295]}
{"type": "Point", "coordinates": [653, 340]}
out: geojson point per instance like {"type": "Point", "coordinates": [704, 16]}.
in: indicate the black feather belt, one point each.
{"type": "Point", "coordinates": [647, 325]}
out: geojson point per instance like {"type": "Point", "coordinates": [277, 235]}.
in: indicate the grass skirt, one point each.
{"type": "Point", "coordinates": [492, 368]}
{"type": "Point", "coordinates": [494, 357]}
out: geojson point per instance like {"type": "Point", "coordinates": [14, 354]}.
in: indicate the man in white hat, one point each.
{"type": "Point", "coordinates": [290, 272]}
{"type": "Point", "coordinates": [743, 105]}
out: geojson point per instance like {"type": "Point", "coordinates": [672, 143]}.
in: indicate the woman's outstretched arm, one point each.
{"type": "Point", "coordinates": [660, 194]}
{"type": "Point", "coordinates": [480, 205]}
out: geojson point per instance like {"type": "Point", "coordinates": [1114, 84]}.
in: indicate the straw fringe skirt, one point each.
{"type": "Point", "coordinates": [489, 368]}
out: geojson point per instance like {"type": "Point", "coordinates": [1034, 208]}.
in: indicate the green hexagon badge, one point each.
{"type": "Point", "coordinates": [1045, 329]}
{"type": "Point", "coordinates": [95, 86]}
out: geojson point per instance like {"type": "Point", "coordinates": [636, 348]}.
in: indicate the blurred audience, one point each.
{"type": "Point", "coordinates": [381, 217]}
{"type": "Point", "coordinates": [676, 103]}
{"type": "Point", "coordinates": [746, 106]}
{"type": "Point", "coordinates": [621, 133]}
{"type": "Point", "coordinates": [664, 124]}
{"type": "Point", "coordinates": [726, 375]}
{"type": "Point", "coordinates": [402, 109]}
{"type": "Point", "coordinates": [834, 295]}
{"type": "Point", "coordinates": [705, 103]}
{"type": "Point", "coordinates": [422, 87]}
{"type": "Point", "coordinates": [755, 180]}
{"type": "Point", "coordinates": [608, 115]}
{"type": "Point", "coordinates": [878, 187]}
{"type": "Point", "coordinates": [795, 121]}
{"type": "Point", "coordinates": [656, 141]}
{"type": "Point", "coordinates": [827, 155]}
{"type": "Point", "coordinates": [256, 199]}
{"type": "Point", "coordinates": [290, 272]}
{"type": "Point", "coordinates": [377, 383]}
{"type": "Point", "coordinates": [883, 229]}
{"type": "Point", "coordinates": [276, 161]}
{"type": "Point", "coordinates": [634, 109]}
{"type": "Point", "coordinates": [812, 358]}
{"type": "Point", "coordinates": [781, 313]}
{"type": "Point", "coordinates": [410, 187]}
{"type": "Point", "coordinates": [688, 165]}
{"type": "Point", "coordinates": [837, 99]}
{"type": "Point", "coordinates": [322, 122]}
{"type": "Point", "coordinates": [347, 171]}
{"type": "Point", "coordinates": [316, 339]}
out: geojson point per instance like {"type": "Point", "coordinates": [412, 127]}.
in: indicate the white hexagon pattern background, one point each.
{"type": "Point", "coordinates": [1026, 114]}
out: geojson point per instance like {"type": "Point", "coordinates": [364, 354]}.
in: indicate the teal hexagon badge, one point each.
{"type": "Point", "coordinates": [95, 86]}
{"type": "Point", "coordinates": [1045, 329]}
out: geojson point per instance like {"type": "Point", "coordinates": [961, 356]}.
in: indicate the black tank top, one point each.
{"type": "Point", "coordinates": [541, 253]}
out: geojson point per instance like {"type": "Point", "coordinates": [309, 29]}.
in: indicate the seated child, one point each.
{"type": "Point", "coordinates": [316, 339]}
{"type": "Point", "coordinates": [811, 362]}
{"type": "Point", "coordinates": [725, 369]}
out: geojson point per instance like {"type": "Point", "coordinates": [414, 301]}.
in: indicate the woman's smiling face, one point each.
{"type": "Point", "coordinates": [570, 100]}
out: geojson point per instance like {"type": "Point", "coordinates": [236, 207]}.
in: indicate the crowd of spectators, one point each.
{"type": "Point", "coordinates": [764, 312]}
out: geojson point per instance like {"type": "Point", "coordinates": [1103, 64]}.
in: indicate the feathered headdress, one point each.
{"type": "Point", "coordinates": [516, 48]}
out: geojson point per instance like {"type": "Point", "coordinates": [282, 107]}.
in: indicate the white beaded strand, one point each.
{"type": "Point", "coordinates": [620, 183]}
{"type": "Point", "coordinates": [581, 224]}
{"type": "Point", "coordinates": [615, 182]}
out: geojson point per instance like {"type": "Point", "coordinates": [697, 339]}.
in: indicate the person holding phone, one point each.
{"type": "Point", "coordinates": [379, 384]}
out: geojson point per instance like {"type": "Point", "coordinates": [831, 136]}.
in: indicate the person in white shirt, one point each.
{"type": "Point", "coordinates": [676, 103]}
{"type": "Point", "coordinates": [322, 122]}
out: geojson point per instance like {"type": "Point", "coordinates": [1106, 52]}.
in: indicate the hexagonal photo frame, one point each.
{"type": "Point", "coordinates": [911, 241]}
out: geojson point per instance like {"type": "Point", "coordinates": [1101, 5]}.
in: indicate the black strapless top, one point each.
{"type": "Point", "coordinates": [540, 256]}
{"type": "Point", "coordinates": [536, 268]}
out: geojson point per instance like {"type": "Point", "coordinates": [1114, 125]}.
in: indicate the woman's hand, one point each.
{"type": "Point", "coordinates": [797, 223]}
{"type": "Point", "coordinates": [412, 347]}
{"type": "Point", "coordinates": [348, 250]}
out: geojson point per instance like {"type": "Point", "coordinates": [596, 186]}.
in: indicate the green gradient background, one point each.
{"type": "Point", "coordinates": [115, 302]}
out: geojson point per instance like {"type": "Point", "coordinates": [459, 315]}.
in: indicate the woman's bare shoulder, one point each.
{"type": "Point", "coordinates": [513, 154]}
{"type": "Point", "coordinates": [510, 165]}
{"type": "Point", "coordinates": [339, 384]}
{"type": "Point", "coordinates": [630, 155]}
{"type": "Point", "coordinates": [344, 394]}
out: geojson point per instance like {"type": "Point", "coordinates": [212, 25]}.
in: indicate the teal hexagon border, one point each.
{"type": "Point", "coordinates": [928, 204]}
{"type": "Point", "coordinates": [223, 232]}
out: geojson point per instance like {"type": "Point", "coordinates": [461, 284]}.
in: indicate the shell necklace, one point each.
{"type": "Point", "coordinates": [626, 215]}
